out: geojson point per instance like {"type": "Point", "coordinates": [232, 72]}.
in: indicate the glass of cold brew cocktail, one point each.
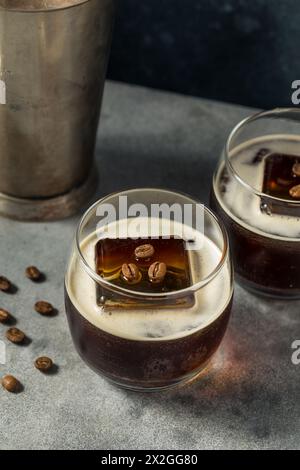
{"type": "Point", "coordinates": [256, 191]}
{"type": "Point", "coordinates": [148, 288]}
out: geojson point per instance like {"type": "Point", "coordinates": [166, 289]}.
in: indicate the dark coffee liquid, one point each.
{"type": "Point", "coordinates": [145, 364]}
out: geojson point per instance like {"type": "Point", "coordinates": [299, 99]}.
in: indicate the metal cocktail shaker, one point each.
{"type": "Point", "coordinates": [53, 60]}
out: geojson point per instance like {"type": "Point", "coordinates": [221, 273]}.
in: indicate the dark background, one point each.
{"type": "Point", "coordinates": [239, 51]}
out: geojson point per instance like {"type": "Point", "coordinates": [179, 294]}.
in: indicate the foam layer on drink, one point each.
{"type": "Point", "coordinates": [242, 204]}
{"type": "Point", "coordinates": [153, 324]}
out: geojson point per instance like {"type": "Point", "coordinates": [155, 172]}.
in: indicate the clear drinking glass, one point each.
{"type": "Point", "coordinates": [158, 338]}
{"type": "Point", "coordinates": [256, 193]}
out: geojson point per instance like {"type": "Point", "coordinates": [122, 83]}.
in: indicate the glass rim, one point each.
{"type": "Point", "coordinates": [227, 151]}
{"type": "Point", "coordinates": [148, 295]}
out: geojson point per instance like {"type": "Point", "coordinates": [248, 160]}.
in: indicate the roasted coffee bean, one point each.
{"type": "Point", "coordinates": [296, 169]}
{"type": "Point", "coordinates": [131, 273]}
{"type": "Point", "coordinates": [5, 284]}
{"type": "Point", "coordinates": [144, 251]}
{"type": "Point", "coordinates": [284, 182]}
{"type": "Point", "coordinates": [4, 315]}
{"type": "Point", "coordinates": [43, 363]}
{"type": "Point", "coordinates": [11, 384]}
{"type": "Point", "coordinates": [295, 191]}
{"type": "Point", "coordinates": [44, 308]}
{"type": "Point", "coordinates": [33, 273]}
{"type": "Point", "coordinates": [15, 335]}
{"type": "Point", "coordinates": [157, 272]}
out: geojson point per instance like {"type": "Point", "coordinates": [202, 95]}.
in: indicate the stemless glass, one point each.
{"type": "Point", "coordinates": [149, 340]}
{"type": "Point", "coordinates": [252, 194]}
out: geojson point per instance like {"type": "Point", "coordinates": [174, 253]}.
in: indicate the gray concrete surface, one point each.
{"type": "Point", "coordinates": [250, 397]}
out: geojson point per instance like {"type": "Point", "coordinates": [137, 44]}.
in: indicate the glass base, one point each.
{"type": "Point", "coordinates": [135, 387]}
{"type": "Point", "coordinates": [266, 292]}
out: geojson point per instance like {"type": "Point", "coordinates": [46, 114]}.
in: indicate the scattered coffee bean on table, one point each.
{"type": "Point", "coordinates": [44, 308]}
{"type": "Point", "coordinates": [43, 363]}
{"type": "Point", "coordinates": [5, 284]}
{"type": "Point", "coordinates": [33, 273]}
{"type": "Point", "coordinates": [11, 384]}
{"type": "Point", "coordinates": [4, 315]}
{"type": "Point", "coordinates": [15, 335]}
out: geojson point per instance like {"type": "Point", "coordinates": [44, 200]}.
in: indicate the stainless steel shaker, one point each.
{"type": "Point", "coordinates": [53, 60]}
